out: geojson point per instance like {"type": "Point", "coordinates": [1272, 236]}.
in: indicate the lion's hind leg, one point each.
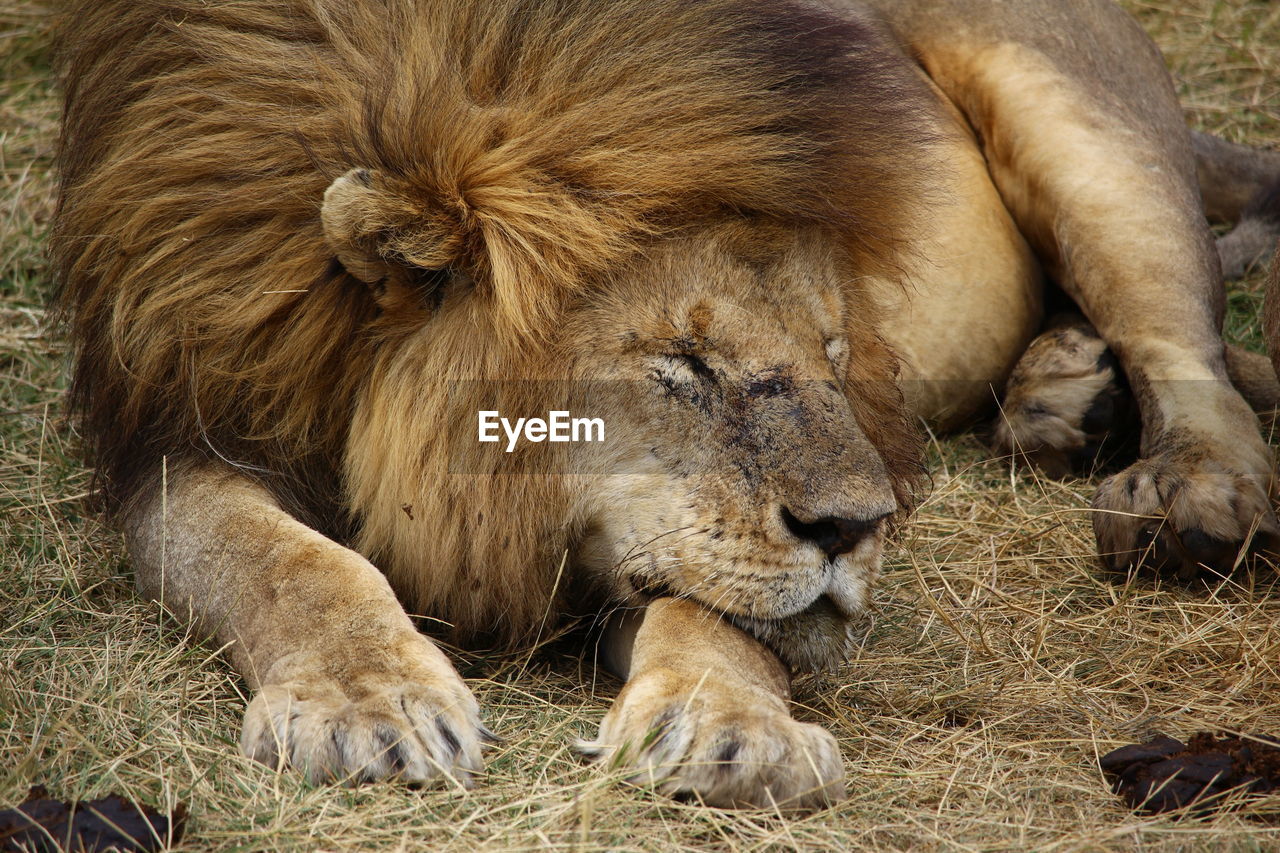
{"type": "Point", "coordinates": [347, 689]}
{"type": "Point", "coordinates": [1067, 409]}
{"type": "Point", "coordinates": [1087, 144]}
{"type": "Point", "coordinates": [1240, 186]}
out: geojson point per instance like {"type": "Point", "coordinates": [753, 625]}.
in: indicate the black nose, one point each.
{"type": "Point", "coordinates": [834, 535]}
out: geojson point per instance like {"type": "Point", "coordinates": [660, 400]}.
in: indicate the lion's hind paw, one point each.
{"type": "Point", "coordinates": [1066, 408]}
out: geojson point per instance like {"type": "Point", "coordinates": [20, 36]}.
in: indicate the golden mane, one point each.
{"type": "Point", "coordinates": [534, 145]}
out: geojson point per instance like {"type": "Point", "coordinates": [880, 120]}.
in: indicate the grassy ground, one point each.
{"type": "Point", "coordinates": [1000, 665]}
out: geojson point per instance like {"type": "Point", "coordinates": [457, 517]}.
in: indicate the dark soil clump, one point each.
{"type": "Point", "coordinates": [1165, 774]}
{"type": "Point", "coordinates": [110, 823]}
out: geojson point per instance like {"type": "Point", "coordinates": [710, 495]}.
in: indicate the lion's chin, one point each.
{"type": "Point", "coordinates": [821, 636]}
{"type": "Point", "coordinates": [816, 639]}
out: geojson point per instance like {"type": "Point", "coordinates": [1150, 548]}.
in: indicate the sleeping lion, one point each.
{"type": "Point", "coordinates": [310, 250]}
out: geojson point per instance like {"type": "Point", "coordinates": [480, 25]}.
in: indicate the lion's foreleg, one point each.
{"type": "Point", "coordinates": [347, 688]}
{"type": "Point", "coordinates": [704, 712]}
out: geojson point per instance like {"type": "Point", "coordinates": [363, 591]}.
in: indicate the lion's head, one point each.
{"type": "Point", "coordinates": [755, 441]}
{"type": "Point", "coordinates": [738, 471]}
{"type": "Point", "coordinates": [658, 211]}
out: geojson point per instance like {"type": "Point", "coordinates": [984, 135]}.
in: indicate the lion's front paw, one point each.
{"type": "Point", "coordinates": [728, 746]}
{"type": "Point", "coordinates": [1181, 516]}
{"type": "Point", "coordinates": [414, 732]}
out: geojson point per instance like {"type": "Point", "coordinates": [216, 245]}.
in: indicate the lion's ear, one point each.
{"type": "Point", "coordinates": [377, 230]}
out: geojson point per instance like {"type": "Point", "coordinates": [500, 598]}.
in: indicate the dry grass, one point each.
{"type": "Point", "coordinates": [999, 666]}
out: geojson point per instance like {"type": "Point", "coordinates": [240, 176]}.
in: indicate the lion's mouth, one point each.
{"type": "Point", "coordinates": [650, 590]}
{"type": "Point", "coordinates": [823, 604]}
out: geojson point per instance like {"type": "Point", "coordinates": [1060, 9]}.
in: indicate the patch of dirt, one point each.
{"type": "Point", "coordinates": [110, 823]}
{"type": "Point", "coordinates": [1165, 774]}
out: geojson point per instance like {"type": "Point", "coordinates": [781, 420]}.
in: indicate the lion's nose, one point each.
{"type": "Point", "coordinates": [834, 535]}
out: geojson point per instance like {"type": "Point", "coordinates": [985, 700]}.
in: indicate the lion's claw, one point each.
{"type": "Point", "coordinates": [1181, 518]}
{"type": "Point", "coordinates": [403, 731]}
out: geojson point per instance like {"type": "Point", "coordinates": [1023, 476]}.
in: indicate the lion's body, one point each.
{"type": "Point", "coordinates": [303, 244]}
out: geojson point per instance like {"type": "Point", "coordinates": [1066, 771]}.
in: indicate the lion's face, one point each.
{"type": "Point", "coordinates": [736, 471]}
{"type": "Point", "coordinates": [755, 444]}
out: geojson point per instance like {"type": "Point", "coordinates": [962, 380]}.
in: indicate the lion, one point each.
{"type": "Point", "coordinates": [303, 245]}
